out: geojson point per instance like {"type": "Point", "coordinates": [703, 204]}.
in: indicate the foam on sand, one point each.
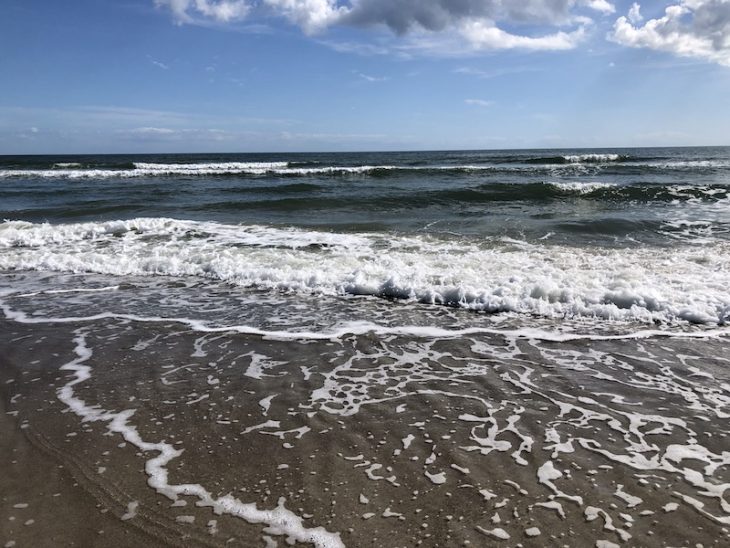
{"type": "Point", "coordinates": [279, 520]}
{"type": "Point", "coordinates": [582, 393]}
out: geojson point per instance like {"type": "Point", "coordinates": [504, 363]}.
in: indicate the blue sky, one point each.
{"type": "Point", "coordinates": [94, 76]}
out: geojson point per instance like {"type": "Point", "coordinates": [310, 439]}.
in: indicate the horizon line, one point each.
{"type": "Point", "coordinates": [389, 151]}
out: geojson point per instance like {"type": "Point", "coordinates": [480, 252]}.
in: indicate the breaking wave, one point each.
{"type": "Point", "coordinates": [495, 275]}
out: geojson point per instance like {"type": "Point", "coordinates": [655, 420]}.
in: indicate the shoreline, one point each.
{"type": "Point", "coordinates": [330, 456]}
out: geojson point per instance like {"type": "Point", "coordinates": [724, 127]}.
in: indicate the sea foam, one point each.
{"type": "Point", "coordinates": [204, 169]}
{"type": "Point", "coordinates": [687, 284]}
{"type": "Point", "coordinates": [577, 187]}
{"type": "Point", "coordinates": [593, 158]}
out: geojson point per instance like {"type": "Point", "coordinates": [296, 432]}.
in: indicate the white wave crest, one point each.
{"type": "Point", "coordinates": [224, 166]}
{"type": "Point", "coordinates": [576, 187]}
{"type": "Point", "coordinates": [691, 164]}
{"type": "Point", "coordinates": [157, 170]}
{"type": "Point", "coordinates": [592, 158]}
{"type": "Point", "coordinates": [645, 285]}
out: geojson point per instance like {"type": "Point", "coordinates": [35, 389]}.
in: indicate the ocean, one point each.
{"type": "Point", "coordinates": [381, 349]}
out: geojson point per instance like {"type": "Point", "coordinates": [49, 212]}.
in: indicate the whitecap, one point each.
{"type": "Point", "coordinates": [685, 284]}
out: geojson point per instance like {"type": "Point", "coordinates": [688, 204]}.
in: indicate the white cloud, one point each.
{"type": "Point", "coordinates": [150, 131]}
{"type": "Point", "coordinates": [360, 48]}
{"type": "Point", "coordinates": [690, 28]}
{"type": "Point", "coordinates": [222, 11]}
{"type": "Point", "coordinates": [635, 14]}
{"type": "Point", "coordinates": [478, 102]}
{"type": "Point", "coordinates": [600, 5]}
{"type": "Point", "coordinates": [449, 27]}
{"type": "Point", "coordinates": [487, 36]}
{"type": "Point", "coordinates": [158, 64]}
{"type": "Point", "coordinates": [311, 15]}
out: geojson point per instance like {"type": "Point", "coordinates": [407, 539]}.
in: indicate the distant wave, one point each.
{"type": "Point", "coordinates": [596, 158]}
{"type": "Point", "coordinates": [494, 275]}
{"type": "Point", "coordinates": [689, 164]}
{"type": "Point", "coordinates": [585, 164]}
{"type": "Point", "coordinates": [217, 166]}
{"type": "Point", "coordinates": [209, 169]}
{"type": "Point", "coordinates": [580, 159]}
{"type": "Point", "coordinates": [236, 168]}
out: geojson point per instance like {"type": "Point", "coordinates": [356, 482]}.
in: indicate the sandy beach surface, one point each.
{"type": "Point", "coordinates": [127, 431]}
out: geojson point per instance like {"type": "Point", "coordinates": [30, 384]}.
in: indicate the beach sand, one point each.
{"type": "Point", "coordinates": [372, 439]}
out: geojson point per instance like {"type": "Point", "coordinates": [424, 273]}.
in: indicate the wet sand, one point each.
{"type": "Point", "coordinates": [120, 432]}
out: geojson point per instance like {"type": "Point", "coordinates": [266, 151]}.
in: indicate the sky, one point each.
{"type": "Point", "coordinates": [132, 76]}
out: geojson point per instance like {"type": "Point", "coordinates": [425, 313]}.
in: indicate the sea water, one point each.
{"type": "Point", "coordinates": [473, 343]}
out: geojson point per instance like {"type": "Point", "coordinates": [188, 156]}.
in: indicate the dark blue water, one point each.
{"type": "Point", "coordinates": [602, 196]}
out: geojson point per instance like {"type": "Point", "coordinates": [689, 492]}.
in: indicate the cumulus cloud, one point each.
{"type": "Point", "coordinates": [436, 15]}
{"type": "Point", "coordinates": [690, 28]}
{"type": "Point", "coordinates": [601, 5]}
{"type": "Point", "coordinates": [222, 11]}
{"type": "Point", "coordinates": [485, 35]}
{"type": "Point", "coordinates": [311, 15]}
{"type": "Point", "coordinates": [635, 14]}
{"type": "Point", "coordinates": [479, 24]}
{"type": "Point", "coordinates": [402, 16]}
